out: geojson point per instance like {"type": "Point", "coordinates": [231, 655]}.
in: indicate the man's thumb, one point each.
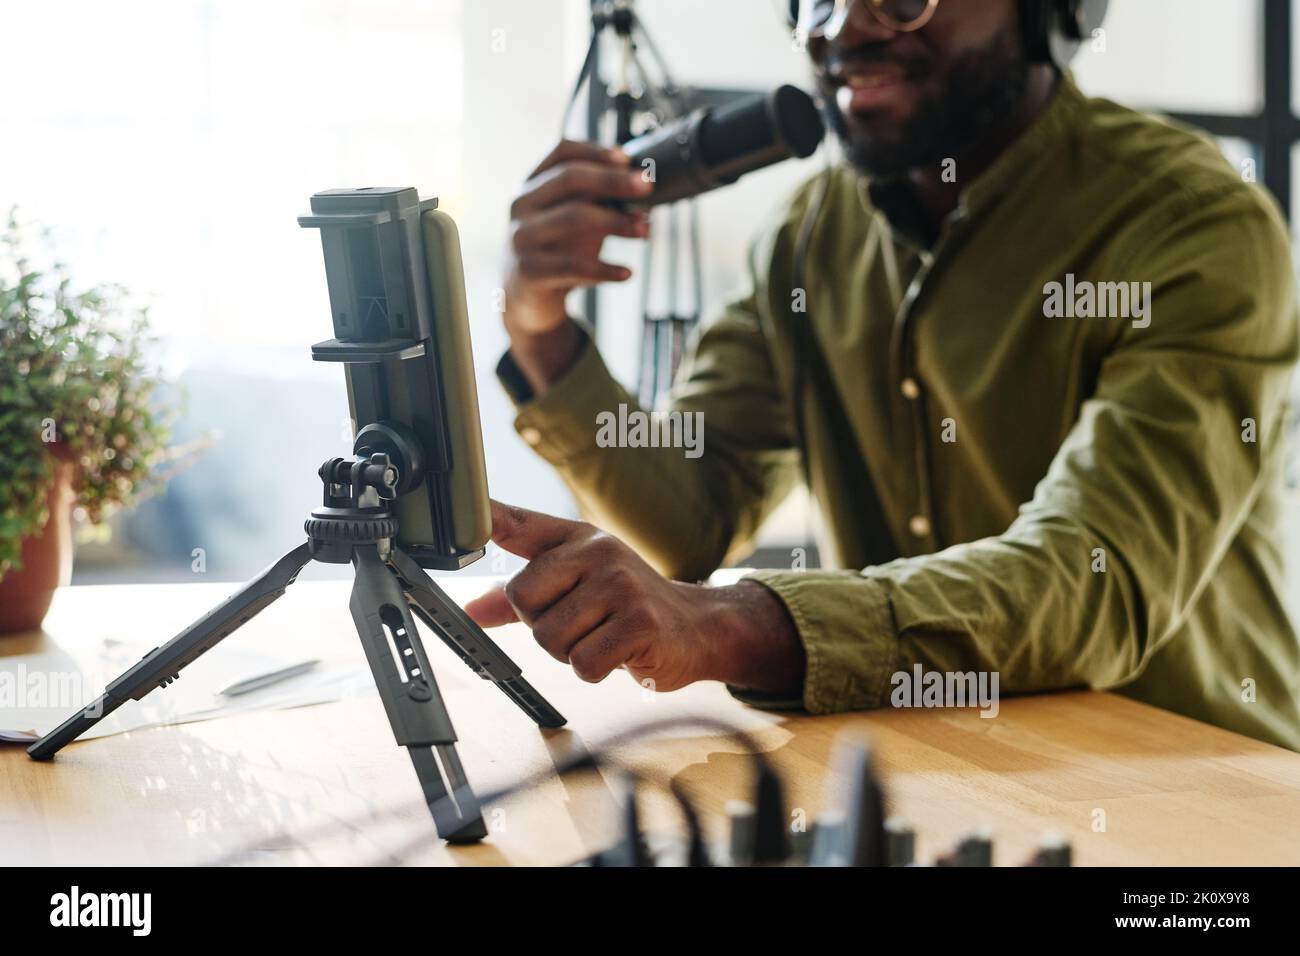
{"type": "Point", "coordinates": [491, 609]}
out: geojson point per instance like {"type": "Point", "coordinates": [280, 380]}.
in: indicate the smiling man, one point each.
{"type": "Point", "coordinates": [1064, 496]}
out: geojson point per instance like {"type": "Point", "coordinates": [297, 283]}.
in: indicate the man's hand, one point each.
{"type": "Point", "coordinates": [593, 603]}
{"type": "Point", "coordinates": [557, 226]}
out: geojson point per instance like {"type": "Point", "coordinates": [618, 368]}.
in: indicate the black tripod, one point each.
{"type": "Point", "coordinates": [644, 94]}
{"type": "Point", "coordinates": [356, 526]}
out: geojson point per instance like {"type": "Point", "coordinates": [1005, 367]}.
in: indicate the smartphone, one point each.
{"type": "Point", "coordinates": [397, 296]}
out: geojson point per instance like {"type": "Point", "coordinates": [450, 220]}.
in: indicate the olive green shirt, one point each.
{"type": "Point", "coordinates": [1011, 482]}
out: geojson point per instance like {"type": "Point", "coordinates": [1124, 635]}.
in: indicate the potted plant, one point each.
{"type": "Point", "coordinates": [79, 436]}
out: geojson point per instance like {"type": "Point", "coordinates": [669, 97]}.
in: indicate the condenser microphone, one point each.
{"type": "Point", "coordinates": [714, 147]}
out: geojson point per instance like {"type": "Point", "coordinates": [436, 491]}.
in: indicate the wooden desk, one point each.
{"type": "Point", "coordinates": [326, 784]}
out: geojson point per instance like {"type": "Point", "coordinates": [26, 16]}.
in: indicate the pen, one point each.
{"type": "Point", "coordinates": [258, 681]}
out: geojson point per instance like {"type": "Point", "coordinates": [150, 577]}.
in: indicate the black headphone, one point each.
{"type": "Point", "coordinates": [1053, 30]}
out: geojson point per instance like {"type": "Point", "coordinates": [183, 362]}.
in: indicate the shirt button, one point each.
{"type": "Point", "coordinates": [919, 525]}
{"type": "Point", "coordinates": [530, 435]}
{"type": "Point", "coordinates": [910, 389]}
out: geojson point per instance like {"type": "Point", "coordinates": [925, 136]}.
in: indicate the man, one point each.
{"type": "Point", "coordinates": [1030, 351]}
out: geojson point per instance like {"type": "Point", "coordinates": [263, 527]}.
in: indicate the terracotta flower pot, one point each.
{"type": "Point", "coordinates": [25, 595]}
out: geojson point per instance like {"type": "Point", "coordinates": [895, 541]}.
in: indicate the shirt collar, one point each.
{"type": "Point", "coordinates": [894, 198]}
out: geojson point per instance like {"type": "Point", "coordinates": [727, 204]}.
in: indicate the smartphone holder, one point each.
{"type": "Point", "coordinates": [359, 523]}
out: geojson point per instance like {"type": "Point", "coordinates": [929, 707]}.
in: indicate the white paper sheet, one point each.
{"type": "Point", "coordinates": [41, 689]}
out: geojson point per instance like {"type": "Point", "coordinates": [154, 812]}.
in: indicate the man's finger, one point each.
{"type": "Point", "coordinates": [491, 609]}
{"type": "Point", "coordinates": [569, 149]}
{"type": "Point", "coordinates": [564, 270]}
{"type": "Point", "coordinates": [529, 533]}
{"type": "Point", "coordinates": [546, 579]}
{"type": "Point", "coordinates": [578, 180]}
{"type": "Point", "coordinates": [566, 622]}
{"type": "Point", "coordinates": [601, 652]}
{"type": "Point", "coordinates": [561, 224]}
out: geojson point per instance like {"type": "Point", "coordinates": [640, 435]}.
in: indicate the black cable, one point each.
{"type": "Point", "coordinates": [647, 368]}
{"type": "Point", "coordinates": [665, 360]}
{"type": "Point", "coordinates": [587, 760]}
{"type": "Point", "coordinates": [696, 262]}
{"type": "Point", "coordinates": [582, 76]}
{"type": "Point", "coordinates": [670, 86]}
{"type": "Point", "coordinates": [696, 852]}
{"type": "Point", "coordinates": [588, 764]}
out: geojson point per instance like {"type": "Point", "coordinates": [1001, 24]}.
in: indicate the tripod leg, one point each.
{"type": "Point", "coordinates": [162, 665]}
{"type": "Point", "coordinates": [410, 694]}
{"type": "Point", "coordinates": [479, 652]}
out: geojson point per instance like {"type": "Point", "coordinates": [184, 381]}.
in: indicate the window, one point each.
{"type": "Point", "coordinates": [173, 159]}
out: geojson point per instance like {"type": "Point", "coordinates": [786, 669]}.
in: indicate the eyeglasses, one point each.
{"type": "Point", "coordinates": [826, 18]}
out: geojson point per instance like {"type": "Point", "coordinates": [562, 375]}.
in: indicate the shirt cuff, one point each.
{"type": "Point", "coordinates": [847, 629]}
{"type": "Point", "coordinates": [562, 423]}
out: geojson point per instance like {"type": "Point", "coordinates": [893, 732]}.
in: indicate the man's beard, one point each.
{"type": "Point", "coordinates": [983, 89]}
